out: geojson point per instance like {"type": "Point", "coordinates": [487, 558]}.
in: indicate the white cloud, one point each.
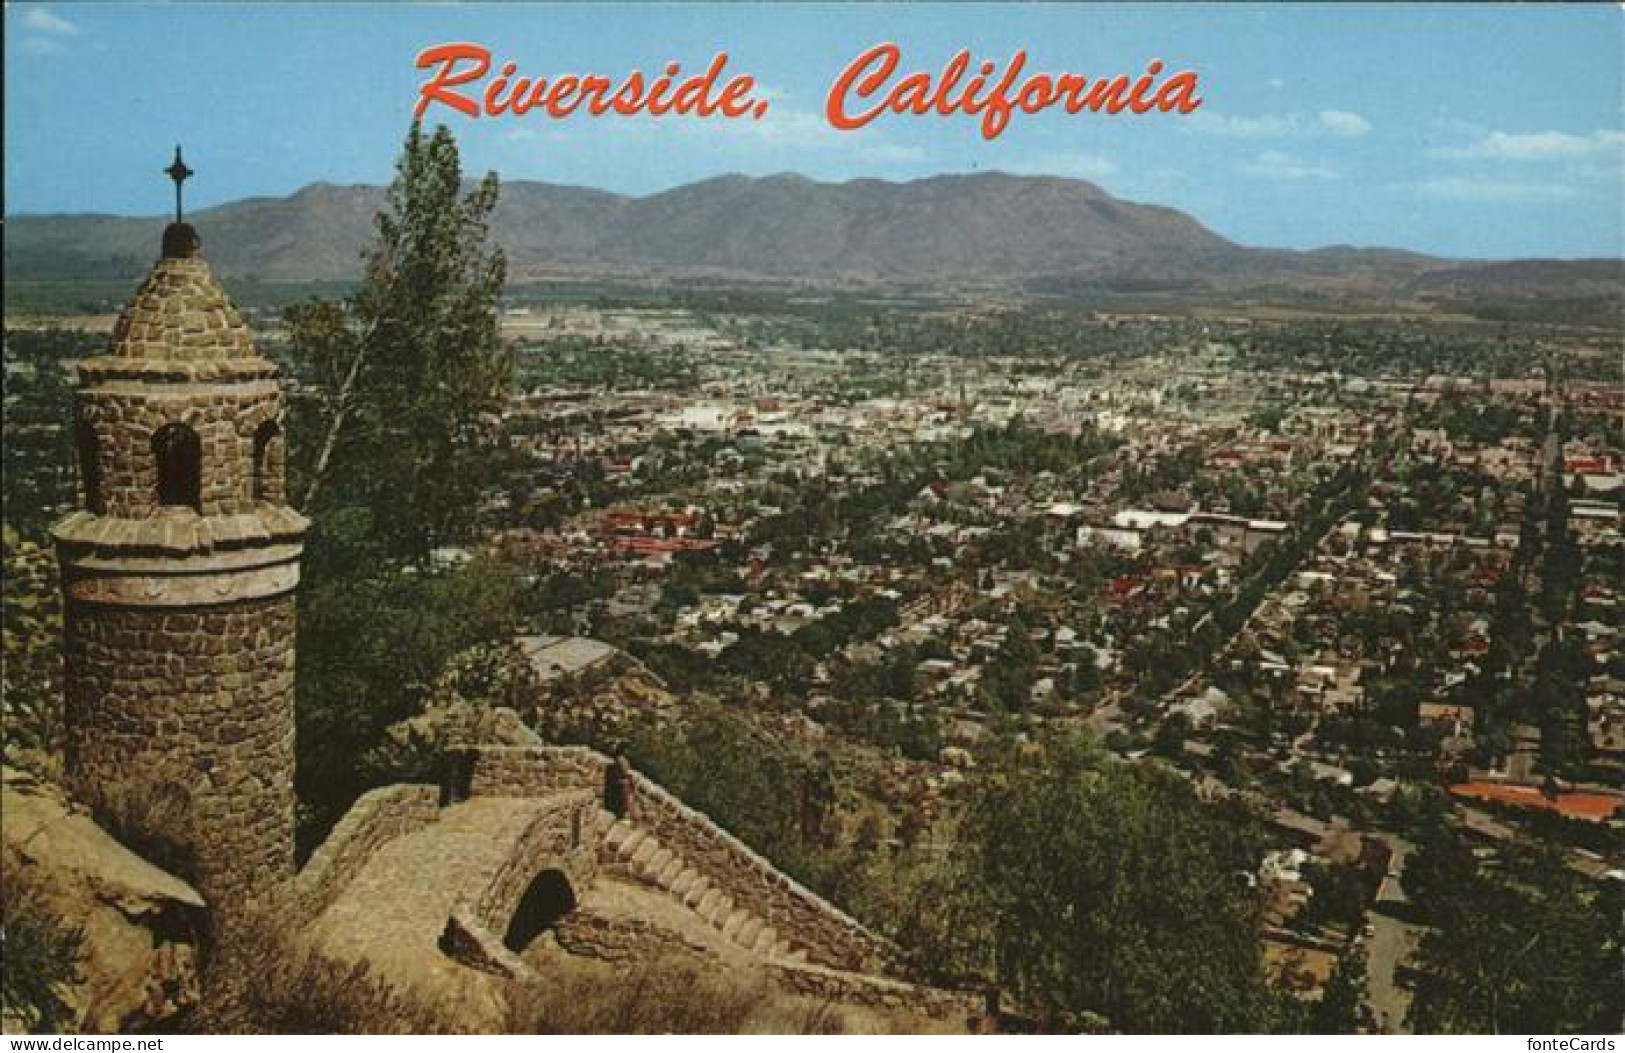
{"type": "Point", "coordinates": [1077, 166]}
{"type": "Point", "coordinates": [44, 33]}
{"type": "Point", "coordinates": [1273, 164]}
{"type": "Point", "coordinates": [1339, 123]}
{"type": "Point", "coordinates": [1343, 123]}
{"type": "Point", "coordinates": [1454, 188]}
{"type": "Point", "coordinates": [40, 20]}
{"type": "Point", "coordinates": [1267, 126]}
{"type": "Point", "coordinates": [1539, 146]}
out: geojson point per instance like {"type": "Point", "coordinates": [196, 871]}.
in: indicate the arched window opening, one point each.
{"type": "Point", "coordinates": [179, 456]}
{"type": "Point", "coordinates": [268, 465]}
{"type": "Point", "coordinates": [545, 903]}
{"type": "Point", "coordinates": [90, 468]}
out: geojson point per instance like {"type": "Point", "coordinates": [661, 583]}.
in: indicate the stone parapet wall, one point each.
{"type": "Point", "coordinates": [533, 771]}
{"type": "Point", "coordinates": [808, 922]}
{"type": "Point", "coordinates": [610, 939]}
{"type": "Point", "coordinates": [468, 941]}
{"type": "Point", "coordinates": [829, 985]}
{"type": "Point", "coordinates": [376, 819]}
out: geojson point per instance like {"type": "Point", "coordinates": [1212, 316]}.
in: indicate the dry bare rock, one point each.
{"type": "Point", "coordinates": [141, 927]}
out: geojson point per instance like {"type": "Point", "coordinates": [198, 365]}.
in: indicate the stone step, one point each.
{"type": "Point", "coordinates": [746, 936]}
{"type": "Point", "coordinates": [720, 910]}
{"type": "Point", "coordinates": [765, 940]}
{"type": "Point", "coordinates": [697, 892]}
{"type": "Point", "coordinates": [659, 861]}
{"type": "Point", "coordinates": [734, 923]}
{"type": "Point", "coordinates": [670, 872]}
{"type": "Point", "coordinates": [616, 835]}
{"type": "Point", "coordinates": [631, 843]}
{"type": "Point", "coordinates": [683, 882]}
{"type": "Point", "coordinates": [646, 850]}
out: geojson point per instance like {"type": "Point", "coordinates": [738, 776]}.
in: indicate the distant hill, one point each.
{"type": "Point", "coordinates": [985, 229]}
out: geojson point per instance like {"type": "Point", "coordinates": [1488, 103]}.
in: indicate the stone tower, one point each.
{"type": "Point", "coordinates": [179, 571]}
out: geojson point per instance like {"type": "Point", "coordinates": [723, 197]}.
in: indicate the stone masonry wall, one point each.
{"type": "Point", "coordinates": [535, 771]}
{"type": "Point", "coordinates": [378, 817]}
{"type": "Point", "coordinates": [828, 935]}
{"type": "Point", "coordinates": [181, 729]}
{"type": "Point", "coordinates": [116, 426]}
{"type": "Point", "coordinates": [616, 939]}
{"type": "Point", "coordinates": [858, 989]}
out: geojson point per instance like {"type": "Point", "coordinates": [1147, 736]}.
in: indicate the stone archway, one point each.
{"type": "Point", "coordinates": [546, 901]}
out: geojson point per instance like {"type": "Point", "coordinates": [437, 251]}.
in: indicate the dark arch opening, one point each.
{"type": "Point", "coordinates": [548, 899]}
{"type": "Point", "coordinates": [179, 456]}
{"type": "Point", "coordinates": [268, 462]}
{"type": "Point", "coordinates": [90, 467]}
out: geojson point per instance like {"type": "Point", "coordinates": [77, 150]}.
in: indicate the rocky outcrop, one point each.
{"type": "Point", "coordinates": [140, 927]}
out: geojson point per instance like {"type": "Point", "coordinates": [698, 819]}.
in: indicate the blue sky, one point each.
{"type": "Point", "coordinates": [1464, 131]}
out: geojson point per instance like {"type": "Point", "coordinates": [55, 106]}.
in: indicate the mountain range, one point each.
{"type": "Point", "coordinates": [985, 229]}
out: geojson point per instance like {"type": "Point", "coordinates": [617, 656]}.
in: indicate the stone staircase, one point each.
{"type": "Point", "coordinates": [636, 853]}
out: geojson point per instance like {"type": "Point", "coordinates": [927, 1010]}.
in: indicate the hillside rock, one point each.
{"type": "Point", "coordinates": [141, 928]}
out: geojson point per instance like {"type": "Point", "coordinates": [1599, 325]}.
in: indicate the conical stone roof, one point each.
{"type": "Point", "coordinates": [181, 313]}
{"type": "Point", "coordinates": [180, 324]}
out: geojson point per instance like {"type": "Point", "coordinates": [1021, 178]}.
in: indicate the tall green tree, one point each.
{"type": "Point", "coordinates": [409, 374]}
{"type": "Point", "coordinates": [413, 366]}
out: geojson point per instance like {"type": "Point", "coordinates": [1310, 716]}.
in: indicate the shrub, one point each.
{"type": "Point", "coordinates": [39, 955]}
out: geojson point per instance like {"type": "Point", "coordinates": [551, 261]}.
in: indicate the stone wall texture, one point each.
{"type": "Point", "coordinates": [618, 939]}
{"type": "Point", "coordinates": [377, 818]}
{"type": "Point", "coordinates": [239, 470]}
{"type": "Point", "coordinates": [810, 923]}
{"type": "Point", "coordinates": [877, 992]}
{"type": "Point", "coordinates": [180, 313]}
{"type": "Point", "coordinates": [178, 571]}
{"type": "Point", "coordinates": [180, 727]}
{"type": "Point", "coordinates": [563, 836]}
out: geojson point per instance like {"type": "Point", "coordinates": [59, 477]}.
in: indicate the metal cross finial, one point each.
{"type": "Point", "coordinates": [178, 171]}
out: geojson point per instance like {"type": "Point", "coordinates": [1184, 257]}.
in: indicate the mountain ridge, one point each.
{"type": "Point", "coordinates": [981, 228]}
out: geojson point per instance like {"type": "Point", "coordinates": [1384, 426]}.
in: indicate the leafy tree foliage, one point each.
{"type": "Point", "coordinates": [773, 796]}
{"type": "Point", "coordinates": [31, 695]}
{"type": "Point", "coordinates": [1086, 887]}
{"type": "Point", "coordinates": [1530, 947]}
{"type": "Point", "coordinates": [414, 361]}
{"type": "Point", "coordinates": [39, 475]}
{"type": "Point", "coordinates": [392, 454]}
{"type": "Point", "coordinates": [370, 648]}
{"type": "Point", "coordinates": [1341, 1008]}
